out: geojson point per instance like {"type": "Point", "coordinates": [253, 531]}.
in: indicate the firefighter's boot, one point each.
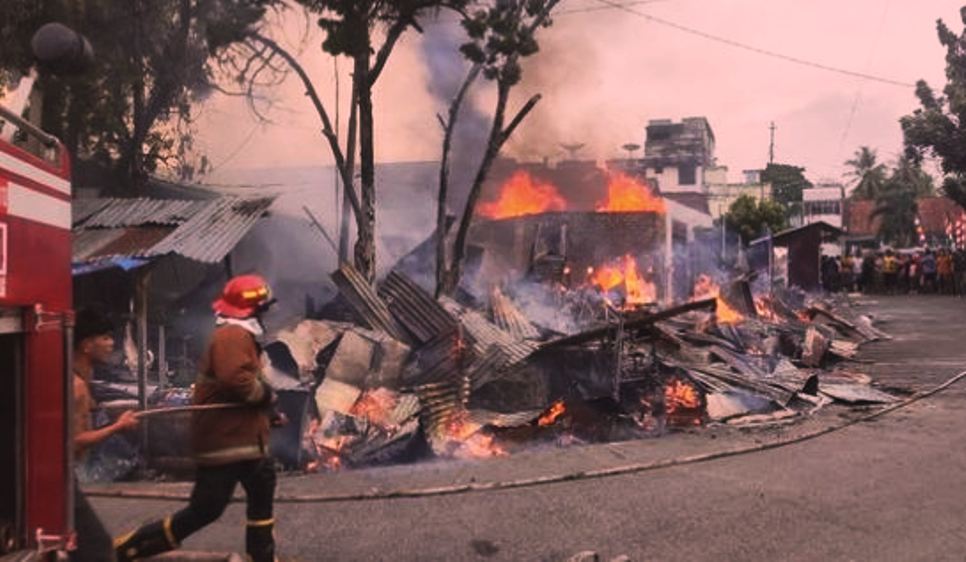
{"type": "Point", "coordinates": [260, 540]}
{"type": "Point", "coordinates": [153, 538]}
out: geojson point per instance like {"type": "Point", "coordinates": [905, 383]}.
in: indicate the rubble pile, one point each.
{"type": "Point", "coordinates": [415, 376]}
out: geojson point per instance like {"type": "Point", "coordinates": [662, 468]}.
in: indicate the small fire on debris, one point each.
{"type": "Point", "coordinates": [470, 442]}
{"type": "Point", "coordinates": [626, 194]}
{"type": "Point", "coordinates": [637, 289]}
{"type": "Point", "coordinates": [705, 288]}
{"type": "Point", "coordinates": [764, 309]}
{"type": "Point", "coordinates": [681, 399]}
{"type": "Point", "coordinates": [552, 414]}
{"type": "Point", "coordinates": [523, 195]}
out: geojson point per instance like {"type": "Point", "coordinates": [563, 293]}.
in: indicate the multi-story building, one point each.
{"type": "Point", "coordinates": [823, 203]}
{"type": "Point", "coordinates": [678, 155]}
{"type": "Point", "coordinates": [722, 194]}
{"type": "Point", "coordinates": [679, 159]}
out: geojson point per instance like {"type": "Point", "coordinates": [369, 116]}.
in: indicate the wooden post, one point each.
{"type": "Point", "coordinates": [162, 358]}
{"type": "Point", "coordinates": [141, 285]}
{"type": "Point", "coordinates": [668, 259]}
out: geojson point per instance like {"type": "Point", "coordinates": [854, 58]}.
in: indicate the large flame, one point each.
{"type": "Point", "coordinates": [625, 272]}
{"type": "Point", "coordinates": [627, 194]}
{"type": "Point", "coordinates": [706, 288]}
{"type": "Point", "coordinates": [522, 195]}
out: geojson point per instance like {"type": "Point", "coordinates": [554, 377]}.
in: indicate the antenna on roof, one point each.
{"type": "Point", "coordinates": [572, 149]}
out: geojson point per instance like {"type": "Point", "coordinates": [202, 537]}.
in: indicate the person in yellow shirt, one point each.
{"type": "Point", "coordinates": [890, 271]}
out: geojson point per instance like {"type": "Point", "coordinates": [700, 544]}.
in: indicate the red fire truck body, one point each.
{"type": "Point", "coordinates": [35, 351]}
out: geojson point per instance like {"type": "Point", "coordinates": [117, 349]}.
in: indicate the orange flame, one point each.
{"type": "Point", "coordinates": [376, 406]}
{"type": "Point", "coordinates": [637, 288]}
{"type": "Point", "coordinates": [705, 288]}
{"type": "Point", "coordinates": [764, 309]}
{"type": "Point", "coordinates": [681, 395]}
{"type": "Point", "coordinates": [522, 195]}
{"type": "Point", "coordinates": [627, 194]}
{"type": "Point", "coordinates": [551, 415]}
{"type": "Point", "coordinates": [473, 443]}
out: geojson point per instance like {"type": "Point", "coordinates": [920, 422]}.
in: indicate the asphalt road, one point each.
{"type": "Point", "coordinates": [892, 489]}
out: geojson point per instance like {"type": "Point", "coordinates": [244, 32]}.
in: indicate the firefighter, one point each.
{"type": "Point", "coordinates": [230, 444]}
{"type": "Point", "coordinates": [93, 345]}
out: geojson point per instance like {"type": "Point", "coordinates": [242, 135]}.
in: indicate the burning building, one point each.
{"type": "Point", "coordinates": [603, 228]}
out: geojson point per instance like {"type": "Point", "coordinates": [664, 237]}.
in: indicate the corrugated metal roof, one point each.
{"type": "Point", "coordinates": [204, 231]}
{"type": "Point", "coordinates": [415, 309]}
{"type": "Point", "coordinates": [141, 212]}
{"type": "Point", "coordinates": [210, 234]}
{"type": "Point", "coordinates": [82, 209]}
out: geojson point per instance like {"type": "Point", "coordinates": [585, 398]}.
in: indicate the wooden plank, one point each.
{"type": "Point", "coordinates": [633, 322]}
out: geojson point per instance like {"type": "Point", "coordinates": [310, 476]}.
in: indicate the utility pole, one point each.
{"type": "Point", "coordinates": [771, 145]}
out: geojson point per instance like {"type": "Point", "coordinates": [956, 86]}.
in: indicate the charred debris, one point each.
{"type": "Point", "coordinates": [394, 375]}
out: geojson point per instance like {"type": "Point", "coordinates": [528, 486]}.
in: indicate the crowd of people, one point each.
{"type": "Point", "coordinates": [941, 271]}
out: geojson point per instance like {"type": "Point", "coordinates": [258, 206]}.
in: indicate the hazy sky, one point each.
{"type": "Point", "coordinates": [604, 74]}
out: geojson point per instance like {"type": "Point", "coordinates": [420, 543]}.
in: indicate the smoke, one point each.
{"type": "Point", "coordinates": [569, 61]}
{"type": "Point", "coordinates": [446, 70]}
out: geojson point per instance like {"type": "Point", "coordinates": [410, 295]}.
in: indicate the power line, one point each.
{"type": "Point", "coordinates": [724, 40]}
{"type": "Point", "coordinates": [858, 91]}
{"type": "Point", "coordinates": [602, 8]}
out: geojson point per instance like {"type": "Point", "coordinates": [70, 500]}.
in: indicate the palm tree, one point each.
{"type": "Point", "coordinates": [913, 177]}
{"type": "Point", "coordinates": [867, 174]}
{"type": "Point", "coordinates": [896, 202]}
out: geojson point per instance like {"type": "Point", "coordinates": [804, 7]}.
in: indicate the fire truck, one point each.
{"type": "Point", "coordinates": [36, 472]}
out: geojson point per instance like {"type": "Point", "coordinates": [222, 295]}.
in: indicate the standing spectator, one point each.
{"type": "Point", "coordinates": [890, 272]}
{"type": "Point", "coordinates": [902, 284]}
{"type": "Point", "coordinates": [868, 272]}
{"type": "Point", "coordinates": [845, 272]}
{"type": "Point", "coordinates": [928, 272]}
{"type": "Point", "coordinates": [944, 270]}
{"type": "Point", "coordinates": [959, 271]}
{"type": "Point", "coordinates": [830, 274]}
{"type": "Point", "coordinates": [914, 273]}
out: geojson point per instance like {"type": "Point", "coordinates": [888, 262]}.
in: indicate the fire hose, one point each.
{"type": "Point", "coordinates": [181, 409]}
{"type": "Point", "coordinates": [553, 478]}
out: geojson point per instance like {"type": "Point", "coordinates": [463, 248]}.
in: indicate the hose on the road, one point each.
{"type": "Point", "coordinates": [555, 478]}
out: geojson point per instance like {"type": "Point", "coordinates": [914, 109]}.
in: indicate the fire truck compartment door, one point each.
{"type": "Point", "coordinates": [11, 321]}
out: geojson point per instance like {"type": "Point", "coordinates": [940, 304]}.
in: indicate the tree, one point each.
{"type": "Point", "coordinates": [352, 28]}
{"type": "Point", "coordinates": [867, 175]}
{"type": "Point", "coordinates": [750, 217]}
{"type": "Point", "coordinates": [501, 33]}
{"type": "Point", "coordinates": [938, 127]}
{"type": "Point", "coordinates": [896, 202]}
{"type": "Point", "coordinates": [787, 183]}
{"type": "Point", "coordinates": [132, 111]}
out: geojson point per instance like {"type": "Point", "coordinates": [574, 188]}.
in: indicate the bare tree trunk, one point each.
{"type": "Point", "coordinates": [498, 137]}
{"type": "Point", "coordinates": [350, 164]}
{"type": "Point", "coordinates": [327, 130]}
{"type": "Point", "coordinates": [365, 250]}
{"type": "Point", "coordinates": [449, 127]}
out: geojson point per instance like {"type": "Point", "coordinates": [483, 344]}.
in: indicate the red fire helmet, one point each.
{"type": "Point", "coordinates": [243, 296]}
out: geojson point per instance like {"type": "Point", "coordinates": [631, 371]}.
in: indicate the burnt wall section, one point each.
{"type": "Point", "coordinates": [585, 239]}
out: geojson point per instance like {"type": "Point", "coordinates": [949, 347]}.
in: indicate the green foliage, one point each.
{"type": "Point", "coordinates": [154, 59]}
{"type": "Point", "coordinates": [896, 202]}
{"type": "Point", "coordinates": [750, 217]}
{"type": "Point", "coordinates": [787, 183]}
{"type": "Point", "coordinates": [867, 174]}
{"type": "Point", "coordinates": [503, 32]}
{"type": "Point", "coordinates": [938, 127]}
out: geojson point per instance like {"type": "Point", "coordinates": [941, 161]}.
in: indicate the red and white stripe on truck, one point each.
{"type": "Point", "coordinates": [35, 298]}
